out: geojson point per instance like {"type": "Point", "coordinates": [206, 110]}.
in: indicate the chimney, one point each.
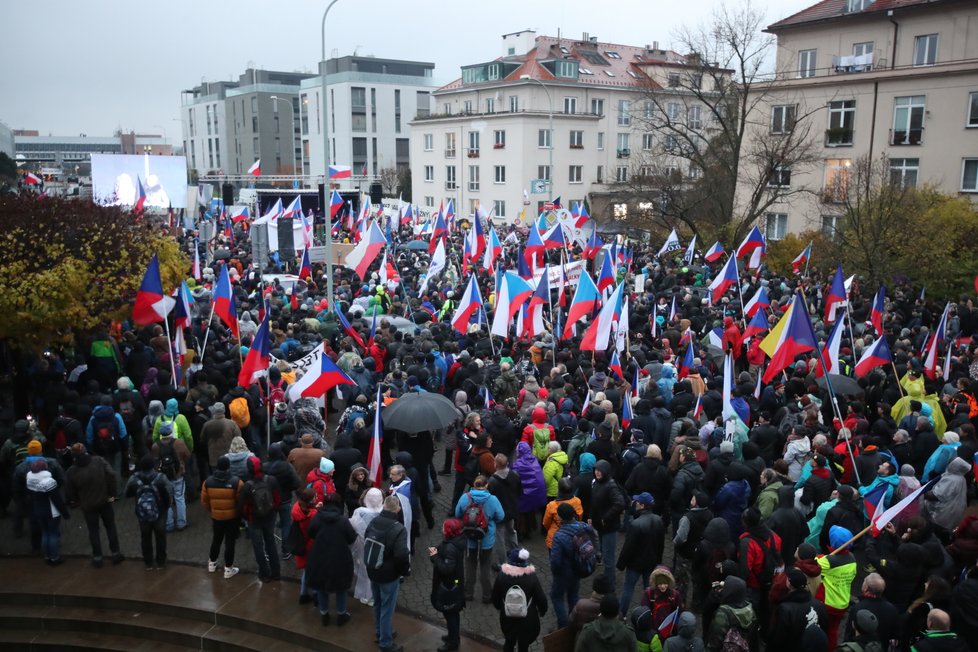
{"type": "Point", "coordinates": [655, 46]}
{"type": "Point", "coordinates": [584, 37]}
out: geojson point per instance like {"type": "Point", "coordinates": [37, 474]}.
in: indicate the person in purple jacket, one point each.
{"type": "Point", "coordinates": [534, 496]}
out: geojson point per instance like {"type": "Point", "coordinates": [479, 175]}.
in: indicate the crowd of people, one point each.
{"type": "Point", "coordinates": [624, 465]}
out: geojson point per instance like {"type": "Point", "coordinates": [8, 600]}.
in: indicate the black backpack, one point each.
{"type": "Point", "coordinates": [169, 463]}
{"type": "Point", "coordinates": [262, 500]}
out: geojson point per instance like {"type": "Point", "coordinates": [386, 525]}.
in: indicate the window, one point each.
{"type": "Point", "coordinates": [696, 81]}
{"type": "Point", "coordinates": [447, 108]}
{"type": "Point", "coordinates": [782, 118]}
{"type": "Point", "coordinates": [806, 63]}
{"type": "Point", "coordinates": [609, 73]}
{"type": "Point", "coordinates": [694, 116]}
{"type": "Point", "coordinates": [646, 171]}
{"type": "Point", "coordinates": [908, 120]}
{"type": "Point", "coordinates": [780, 177]}
{"type": "Point", "coordinates": [450, 145]}
{"type": "Point", "coordinates": [499, 208]}
{"type": "Point", "coordinates": [600, 140]}
{"type": "Point", "coordinates": [649, 109]}
{"type": "Point", "coordinates": [576, 139]}
{"type": "Point", "coordinates": [972, 110]}
{"type": "Point", "coordinates": [612, 55]}
{"type": "Point", "coordinates": [925, 50]}
{"type": "Point", "coordinates": [624, 113]}
{"type": "Point", "coordinates": [671, 143]}
{"type": "Point", "coordinates": [857, 5]}
{"type": "Point", "coordinates": [695, 172]}
{"type": "Point", "coordinates": [570, 105]}
{"type": "Point", "coordinates": [831, 225]}
{"type": "Point", "coordinates": [467, 106]}
{"type": "Point", "coordinates": [473, 144]}
{"type": "Point", "coordinates": [600, 174]}
{"type": "Point", "coordinates": [429, 173]}
{"type": "Point", "coordinates": [672, 111]}
{"type": "Point", "coordinates": [543, 138]}
{"type": "Point", "coordinates": [473, 177]}
{"type": "Point", "coordinates": [499, 139]}
{"type": "Point", "coordinates": [514, 103]}
{"type": "Point", "coordinates": [623, 144]}
{"type": "Point", "coordinates": [621, 174]}
{"type": "Point", "coordinates": [837, 179]}
{"type": "Point", "coordinates": [429, 142]}
{"type": "Point", "coordinates": [647, 141]}
{"type": "Point", "coordinates": [673, 80]}
{"type": "Point", "coordinates": [597, 107]}
{"type": "Point", "coordinates": [429, 201]}
{"type": "Point", "coordinates": [969, 175]}
{"type": "Point", "coordinates": [450, 177]}
{"type": "Point", "coordinates": [776, 226]}
{"type": "Point", "coordinates": [862, 49]}
{"type": "Point", "coordinates": [499, 174]}
{"type": "Point", "coordinates": [586, 71]}
{"type": "Point", "coordinates": [493, 71]}
{"type": "Point", "coordinates": [566, 69]}
{"type": "Point", "coordinates": [842, 116]}
{"type": "Point", "coordinates": [254, 104]}
{"type": "Point", "coordinates": [903, 172]}
{"type": "Point", "coordinates": [543, 172]}
{"type": "Point", "coordinates": [620, 211]}
{"type": "Point", "coordinates": [490, 105]}
{"type": "Point", "coordinates": [574, 174]}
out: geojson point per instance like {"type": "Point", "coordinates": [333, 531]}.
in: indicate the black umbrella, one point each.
{"type": "Point", "coordinates": [418, 412]}
{"type": "Point", "coordinates": [841, 384]}
{"type": "Point", "coordinates": [415, 245]}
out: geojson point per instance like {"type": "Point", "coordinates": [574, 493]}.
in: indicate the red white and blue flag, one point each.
{"type": "Point", "coordinates": [335, 204]}
{"type": "Point", "coordinates": [366, 251]}
{"type": "Point", "coordinates": [151, 305]}
{"type": "Point", "coordinates": [340, 172]}
{"type": "Point", "coordinates": [598, 332]}
{"type": "Point", "coordinates": [876, 355]}
{"type": "Point", "coordinates": [835, 298]}
{"type": "Point", "coordinates": [513, 292]}
{"type": "Point", "coordinates": [349, 330]}
{"type": "Point", "coordinates": [795, 338]}
{"type": "Point", "coordinates": [140, 196]}
{"type": "Point", "coordinates": [930, 359]}
{"type": "Point", "coordinates": [606, 276]}
{"type": "Point", "coordinates": [594, 245]}
{"type": "Point", "coordinates": [626, 412]}
{"type": "Point", "coordinates": [321, 377]}
{"type": "Point", "coordinates": [493, 250]}
{"type": "Point", "coordinates": [880, 520]}
{"type": "Point", "coordinates": [668, 624]}
{"type": "Point", "coordinates": [181, 308]}
{"type": "Point", "coordinates": [582, 305]}
{"type": "Point", "coordinates": [714, 253]}
{"type": "Point", "coordinates": [255, 168]}
{"type": "Point", "coordinates": [876, 313]}
{"type": "Point", "coordinates": [615, 365]}
{"type": "Point", "coordinates": [727, 278]}
{"type": "Point", "coordinates": [374, 465]}
{"type": "Point", "coordinates": [240, 214]}
{"type": "Point", "coordinates": [305, 267]}
{"type": "Point", "coordinates": [756, 325]}
{"type": "Point", "coordinates": [802, 259]}
{"type": "Point", "coordinates": [753, 240]}
{"type": "Point", "coordinates": [830, 350]}
{"type": "Point", "coordinates": [757, 302]}
{"type": "Point", "coordinates": [256, 362]}
{"type": "Point", "coordinates": [470, 303]}
{"type": "Point", "coordinates": [686, 366]}
{"type": "Point", "coordinates": [224, 306]}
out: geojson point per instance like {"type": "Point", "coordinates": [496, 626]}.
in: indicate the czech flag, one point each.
{"type": "Point", "coordinates": [554, 238]}
{"type": "Point", "coordinates": [714, 253]}
{"type": "Point", "coordinates": [534, 247]}
{"type": "Point", "coordinates": [493, 250]}
{"type": "Point", "coordinates": [305, 267]}
{"type": "Point", "coordinates": [668, 624]}
{"type": "Point", "coordinates": [880, 520]}
{"type": "Point", "coordinates": [240, 214]}
{"type": "Point", "coordinates": [224, 306]}
{"type": "Point", "coordinates": [599, 331]}
{"type": "Point", "coordinates": [830, 351]}
{"type": "Point", "coordinates": [686, 365]}
{"type": "Point", "coordinates": [533, 326]}
{"type": "Point", "coordinates": [758, 301]}
{"type": "Point", "coordinates": [727, 278]}
{"type": "Point", "coordinates": [794, 336]}
{"type": "Point", "coordinates": [513, 292]}
{"type": "Point", "coordinates": [374, 466]}
{"type": "Point", "coordinates": [181, 309]}
{"type": "Point", "coordinates": [361, 257]}
{"type": "Point", "coordinates": [256, 362]}
{"type": "Point", "coordinates": [836, 296]}
{"type": "Point", "coordinates": [321, 377]}
{"type": "Point", "coordinates": [255, 168]}
{"type": "Point", "coordinates": [606, 277]}
{"type": "Point", "coordinates": [450, 212]}
{"type": "Point", "coordinates": [876, 315]}
{"type": "Point", "coordinates": [349, 330]}
{"type": "Point", "coordinates": [340, 172]}
{"type": "Point", "coordinates": [140, 196]}
{"type": "Point", "coordinates": [583, 303]}
{"type": "Point", "coordinates": [626, 412]}
{"type": "Point", "coordinates": [335, 204]}
{"type": "Point", "coordinates": [874, 500]}
{"type": "Point", "coordinates": [470, 303]}
{"type": "Point", "coordinates": [698, 408]}
{"type": "Point", "coordinates": [151, 305]}
{"type": "Point", "coordinates": [753, 240]}
{"type": "Point", "coordinates": [594, 245]}
{"type": "Point", "coordinates": [488, 401]}
{"type": "Point", "coordinates": [615, 365]}
{"type": "Point", "coordinates": [930, 360]}
{"type": "Point", "coordinates": [32, 179]}
{"type": "Point", "coordinates": [581, 215]}
{"type": "Point", "coordinates": [295, 208]}
{"type": "Point", "coordinates": [802, 259]}
{"type": "Point", "coordinates": [439, 231]}
{"type": "Point", "coordinates": [877, 355]}
{"type": "Point", "coordinates": [756, 325]}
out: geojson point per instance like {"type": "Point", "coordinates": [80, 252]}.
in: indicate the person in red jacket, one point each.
{"type": "Point", "coordinates": [538, 420]}
{"type": "Point", "coordinates": [303, 510]}
{"type": "Point", "coordinates": [731, 337]}
{"type": "Point", "coordinates": [321, 480]}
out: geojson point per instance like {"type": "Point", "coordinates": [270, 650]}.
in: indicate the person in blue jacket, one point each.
{"type": "Point", "coordinates": [479, 548]}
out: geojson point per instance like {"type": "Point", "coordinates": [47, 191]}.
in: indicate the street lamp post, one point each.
{"type": "Point", "coordinates": [550, 100]}
{"type": "Point", "coordinates": [329, 227]}
{"type": "Point", "coordinates": [276, 98]}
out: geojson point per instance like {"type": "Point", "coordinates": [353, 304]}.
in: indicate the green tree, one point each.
{"type": "Point", "coordinates": [68, 267]}
{"type": "Point", "coordinates": [780, 253]}
{"type": "Point", "coordinates": [8, 167]}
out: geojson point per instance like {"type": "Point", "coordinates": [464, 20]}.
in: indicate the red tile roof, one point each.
{"type": "Point", "coordinates": [828, 9]}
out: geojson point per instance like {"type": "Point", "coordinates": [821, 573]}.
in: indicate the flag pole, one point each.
{"type": "Point", "coordinates": [207, 331]}
{"type": "Point", "coordinates": [897, 376]}
{"type": "Point", "coordinates": [856, 536]}
{"type": "Point", "coordinates": [173, 364]}
{"type": "Point", "coordinates": [809, 259]}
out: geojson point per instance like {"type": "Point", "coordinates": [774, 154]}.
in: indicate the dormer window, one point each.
{"type": "Point", "coordinates": [564, 50]}
{"type": "Point", "coordinates": [857, 5]}
{"type": "Point", "coordinates": [609, 73]}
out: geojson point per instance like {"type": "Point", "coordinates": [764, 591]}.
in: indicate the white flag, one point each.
{"type": "Point", "coordinates": [436, 267]}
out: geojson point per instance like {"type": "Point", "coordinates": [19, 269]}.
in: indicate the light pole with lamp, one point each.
{"type": "Point", "coordinates": [329, 227]}
{"type": "Point", "coordinates": [550, 168]}
{"type": "Point", "coordinates": [276, 98]}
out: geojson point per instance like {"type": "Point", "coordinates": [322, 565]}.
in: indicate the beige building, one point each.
{"type": "Point", "coordinates": [893, 78]}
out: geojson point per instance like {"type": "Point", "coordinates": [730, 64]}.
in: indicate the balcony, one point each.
{"type": "Point", "coordinates": [624, 153]}
{"type": "Point", "coordinates": [838, 137]}
{"type": "Point", "coordinates": [473, 153]}
{"type": "Point", "coordinates": [854, 63]}
{"type": "Point", "coordinates": [906, 136]}
{"type": "Point", "coordinates": [577, 146]}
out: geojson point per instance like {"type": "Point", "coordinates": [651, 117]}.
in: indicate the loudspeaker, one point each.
{"type": "Point", "coordinates": [376, 193]}
{"type": "Point", "coordinates": [322, 195]}
{"type": "Point", "coordinates": [286, 243]}
{"type": "Point", "coordinates": [227, 192]}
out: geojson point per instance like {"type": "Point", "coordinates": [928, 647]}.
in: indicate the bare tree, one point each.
{"type": "Point", "coordinates": [712, 129]}
{"type": "Point", "coordinates": [389, 178]}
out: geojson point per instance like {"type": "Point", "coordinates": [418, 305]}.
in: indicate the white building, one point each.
{"type": "Point", "coordinates": [371, 103]}
{"type": "Point", "coordinates": [572, 112]}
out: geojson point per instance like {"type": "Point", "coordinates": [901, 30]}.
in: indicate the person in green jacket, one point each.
{"type": "Point", "coordinates": [607, 633]}
{"type": "Point", "coordinates": [181, 427]}
{"type": "Point", "coordinates": [838, 572]}
{"type": "Point", "coordinates": [734, 611]}
{"type": "Point", "coordinates": [939, 636]}
{"type": "Point", "coordinates": [553, 468]}
{"type": "Point", "coordinates": [767, 499]}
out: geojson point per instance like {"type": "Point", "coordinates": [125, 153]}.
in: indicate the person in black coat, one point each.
{"type": "Point", "coordinates": [888, 619]}
{"type": "Point", "coordinates": [448, 580]}
{"type": "Point", "coordinates": [847, 512]}
{"type": "Point", "coordinates": [769, 441]}
{"type": "Point", "coordinates": [519, 633]}
{"type": "Point", "coordinates": [801, 621]}
{"type": "Point", "coordinates": [788, 523]}
{"type": "Point", "coordinates": [329, 568]}
{"type": "Point", "coordinates": [642, 550]}
{"type": "Point", "coordinates": [651, 476]}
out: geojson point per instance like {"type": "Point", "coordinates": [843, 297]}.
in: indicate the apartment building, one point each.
{"type": "Point", "coordinates": [554, 117]}
{"type": "Point", "coordinates": [884, 78]}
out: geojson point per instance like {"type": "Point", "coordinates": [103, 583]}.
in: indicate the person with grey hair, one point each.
{"type": "Point", "coordinates": [888, 618]}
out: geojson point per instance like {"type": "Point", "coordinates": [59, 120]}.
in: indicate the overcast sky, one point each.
{"type": "Point", "coordinates": [91, 67]}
